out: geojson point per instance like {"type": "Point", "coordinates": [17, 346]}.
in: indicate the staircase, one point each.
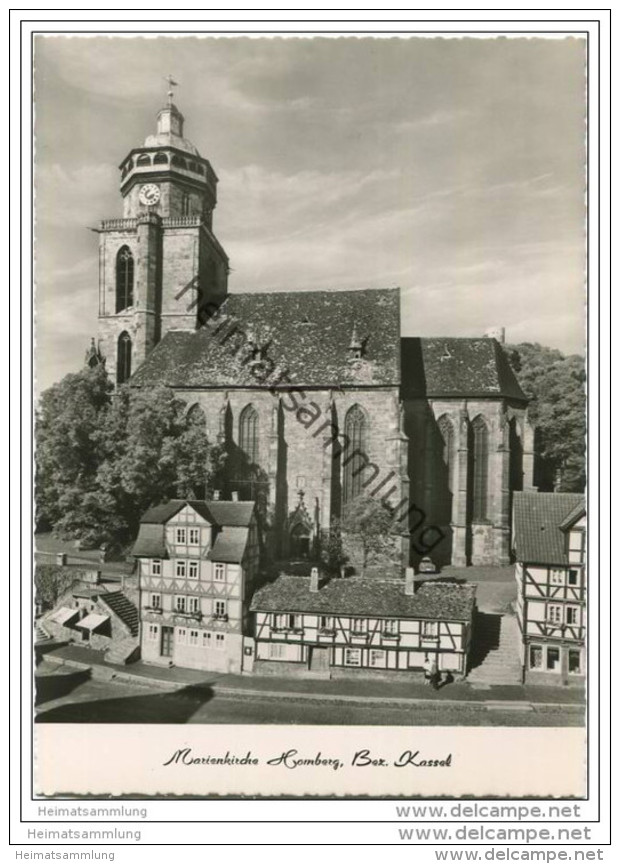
{"type": "Point", "coordinates": [124, 651]}
{"type": "Point", "coordinates": [40, 632]}
{"type": "Point", "coordinates": [494, 657]}
{"type": "Point", "coordinates": [124, 609]}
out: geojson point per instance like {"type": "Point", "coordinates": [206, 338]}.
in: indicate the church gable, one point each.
{"type": "Point", "coordinates": [307, 338]}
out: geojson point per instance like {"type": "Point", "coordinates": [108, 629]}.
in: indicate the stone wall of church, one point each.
{"type": "Point", "coordinates": [442, 485]}
{"type": "Point", "coordinates": [299, 467]}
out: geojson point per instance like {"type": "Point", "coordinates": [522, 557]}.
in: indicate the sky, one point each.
{"type": "Point", "coordinates": [452, 168]}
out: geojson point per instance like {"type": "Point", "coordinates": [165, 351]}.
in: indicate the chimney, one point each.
{"type": "Point", "coordinates": [234, 496]}
{"type": "Point", "coordinates": [314, 580]}
{"type": "Point", "coordinates": [216, 494]}
{"type": "Point", "coordinates": [409, 582]}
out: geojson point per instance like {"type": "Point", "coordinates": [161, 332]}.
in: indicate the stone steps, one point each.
{"type": "Point", "coordinates": [501, 665]}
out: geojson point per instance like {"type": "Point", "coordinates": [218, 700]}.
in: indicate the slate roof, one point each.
{"type": "Point", "coordinates": [219, 512]}
{"type": "Point", "coordinates": [306, 334]}
{"type": "Point", "coordinates": [453, 367]}
{"type": "Point", "coordinates": [150, 542]}
{"type": "Point", "coordinates": [232, 517]}
{"type": "Point", "coordinates": [360, 597]}
{"type": "Point", "coordinates": [229, 546]}
{"type": "Point", "coordinates": [537, 517]}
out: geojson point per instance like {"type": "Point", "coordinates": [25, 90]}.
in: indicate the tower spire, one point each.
{"type": "Point", "coordinates": [171, 83]}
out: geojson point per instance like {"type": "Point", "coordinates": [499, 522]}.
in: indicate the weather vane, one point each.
{"type": "Point", "coordinates": [171, 83]}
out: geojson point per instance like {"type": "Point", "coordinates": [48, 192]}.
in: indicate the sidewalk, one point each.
{"type": "Point", "coordinates": [361, 690]}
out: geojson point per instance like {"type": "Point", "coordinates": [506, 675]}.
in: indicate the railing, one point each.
{"type": "Point", "coordinates": [119, 224]}
{"type": "Point", "coordinates": [181, 221]}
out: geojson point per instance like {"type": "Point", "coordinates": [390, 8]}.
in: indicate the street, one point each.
{"type": "Point", "coordinates": [76, 698]}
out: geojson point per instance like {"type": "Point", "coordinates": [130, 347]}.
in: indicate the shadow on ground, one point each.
{"type": "Point", "coordinates": [176, 707]}
{"type": "Point", "coordinates": [50, 687]}
{"type": "Point", "coordinates": [485, 637]}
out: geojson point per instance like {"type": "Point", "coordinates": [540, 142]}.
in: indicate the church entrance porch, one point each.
{"type": "Point", "coordinates": [299, 546]}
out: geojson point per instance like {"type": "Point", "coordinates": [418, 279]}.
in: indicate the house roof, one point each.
{"type": "Point", "coordinates": [230, 545]}
{"type": "Point", "coordinates": [229, 516]}
{"type": "Point", "coordinates": [373, 597]}
{"type": "Point", "coordinates": [150, 542]}
{"type": "Point", "coordinates": [538, 517]}
{"type": "Point", "coordinates": [305, 334]}
{"type": "Point", "coordinates": [576, 513]}
{"type": "Point", "coordinates": [453, 367]}
{"type": "Point", "coordinates": [218, 512]}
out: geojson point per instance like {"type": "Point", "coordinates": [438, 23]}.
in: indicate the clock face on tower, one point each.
{"type": "Point", "coordinates": [149, 194]}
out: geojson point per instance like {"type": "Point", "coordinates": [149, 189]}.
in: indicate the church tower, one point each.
{"type": "Point", "coordinates": [161, 267]}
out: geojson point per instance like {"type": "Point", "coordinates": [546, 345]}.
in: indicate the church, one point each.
{"type": "Point", "coordinates": [316, 395]}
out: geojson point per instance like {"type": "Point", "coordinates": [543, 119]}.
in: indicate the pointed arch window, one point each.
{"type": "Point", "coordinates": [356, 432]}
{"type": "Point", "coordinates": [446, 431]}
{"type": "Point", "coordinates": [123, 361]}
{"type": "Point", "coordinates": [480, 472]}
{"type": "Point", "coordinates": [124, 278]}
{"type": "Point", "coordinates": [248, 433]}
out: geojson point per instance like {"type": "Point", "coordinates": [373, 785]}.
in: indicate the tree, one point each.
{"type": "Point", "coordinates": [369, 523]}
{"type": "Point", "coordinates": [555, 384]}
{"type": "Point", "coordinates": [67, 453]}
{"type": "Point", "coordinates": [50, 582]}
{"type": "Point", "coordinates": [105, 460]}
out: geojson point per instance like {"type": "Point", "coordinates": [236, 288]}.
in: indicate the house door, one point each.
{"type": "Point", "coordinates": [319, 659]}
{"type": "Point", "coordinates": [167, 640]}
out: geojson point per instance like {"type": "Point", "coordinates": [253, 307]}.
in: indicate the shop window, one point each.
{"type": "Point", "coordinates": [574, 662]}
{"type": "Point", "coordinates": [352, 657]}
{"type": "Point", "coordinates": [378, 659]}
{"type": "Point", "coordinates": [536, 657]}
{"type": "Point", "coordinates": [553, 659]}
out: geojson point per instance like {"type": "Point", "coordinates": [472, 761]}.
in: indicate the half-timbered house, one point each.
{"type": "Point", "coordinates": [198, 561]}
{"type": "Point", "coordinates": [306, 626]}
{"type": "Point", "coordinates": [550, 548]}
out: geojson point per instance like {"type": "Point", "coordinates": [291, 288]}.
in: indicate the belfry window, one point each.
{"type": "Point", "coordinates": [144, 159]}
{"type": "Point", "coordinates": [248, 433]}
{"type": "Point", "coordinates": [124, 279]}
{"type": "Point", "coordinates": [480, 478]}
{"type": "Point", "coordinates": [123, 362]}
{"type": "Point", "coordinates": [160, 159]}
{"type": "Point", "coordinates": [354, 457]}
